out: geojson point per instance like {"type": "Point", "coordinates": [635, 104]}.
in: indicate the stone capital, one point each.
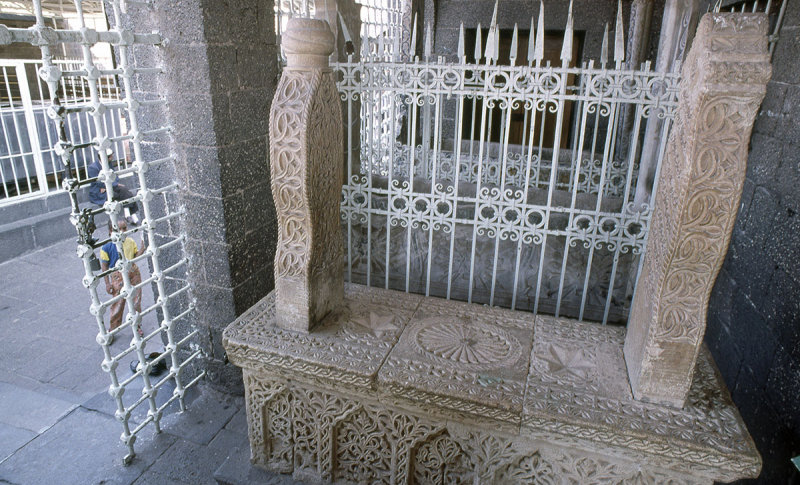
{"type": "Point", "coordinates": [307, 43]}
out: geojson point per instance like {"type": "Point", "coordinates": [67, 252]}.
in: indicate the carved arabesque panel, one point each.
{"type": "Point", "coordinates": [340, 438]}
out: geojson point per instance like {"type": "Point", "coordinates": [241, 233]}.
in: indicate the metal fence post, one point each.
{"type": "Point", "coordinates": [30, 123]}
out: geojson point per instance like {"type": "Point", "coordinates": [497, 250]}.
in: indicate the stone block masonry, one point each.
{"type": "Point", "coordinates": [754, 311]}
{"type": "Point", "coordinates": [220, 71]}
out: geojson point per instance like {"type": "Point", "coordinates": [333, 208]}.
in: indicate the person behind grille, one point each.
{"type": "Point", "coordinates": [97, 190]}
{"type": "Point", "coordinates": [109, 255]}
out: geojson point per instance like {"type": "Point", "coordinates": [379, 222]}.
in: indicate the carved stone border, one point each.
{"type": "Point", "coordinates": [699, 188]}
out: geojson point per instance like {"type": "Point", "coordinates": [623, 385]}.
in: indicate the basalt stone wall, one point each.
{"type": "Point", "coordinates": [754, 314]}
{"type": "Point", "coordinates": [219, 63]}
{"type": "Point", "coordinates": [590, 17]}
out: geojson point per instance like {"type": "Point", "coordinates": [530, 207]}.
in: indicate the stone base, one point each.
{"type": "Point", "coordinates": [398, 388]}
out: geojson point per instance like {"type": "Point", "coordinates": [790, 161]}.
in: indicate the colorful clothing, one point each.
{"type": "Point", "coordinates": [118, 307]}
{"type": "Point", "coordinates": [110, 255]}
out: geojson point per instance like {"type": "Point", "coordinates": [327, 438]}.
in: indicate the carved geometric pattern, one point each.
{"type": "Point", "coordinates": [465, 342]}
{"type": "Point", "coordinates": [355, 439]}
{"type": "Point", "coordinates": [368, 409]}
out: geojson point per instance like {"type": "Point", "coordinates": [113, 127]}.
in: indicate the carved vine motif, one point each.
{"type": "Point", "coordinates": [324, 147]}
{"type": "Point", "coordinates": [306, 155]}
{"type": "Point", "coordinates": [442, 461]}
{"type": "Point", "coordinates": [714, 191]}
{"type": "Point", "coordinates": [699, 189]}
{"type": "Point", "coordinates": [287, 149]}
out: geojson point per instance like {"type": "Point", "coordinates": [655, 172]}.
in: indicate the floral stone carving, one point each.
{"type": "Point", "coordinates": [700, 186]}
{"type": "Point", "coordinates": [394, 388]}
{"type": "Point", "coordinates": [305, 153]}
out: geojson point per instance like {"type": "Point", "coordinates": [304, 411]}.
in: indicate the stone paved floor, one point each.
{"type": "Point", "coordinates": [57, 422]}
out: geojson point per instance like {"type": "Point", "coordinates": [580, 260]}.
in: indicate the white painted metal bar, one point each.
{"type": "Point", "coordinates": [80, 100]}
{"type": "Point", "coordinates": [449, 210]}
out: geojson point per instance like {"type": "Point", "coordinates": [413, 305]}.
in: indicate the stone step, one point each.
{"type": "Point", "coordinates": [237, 470]}
{"type": "Point", "coordinates": [35, 223]}
{"type": "Point", "coordinates": [35, 232]}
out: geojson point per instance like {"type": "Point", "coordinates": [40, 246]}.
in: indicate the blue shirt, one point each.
{"type": "Point", "coordinates": [96, 195]}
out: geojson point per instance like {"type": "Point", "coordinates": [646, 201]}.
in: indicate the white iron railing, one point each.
{"type": "Point", "coordinates": [29, 165]}
{"type": "Point", "coordinates": [774, 9]}
{"type": "Point", "coordinates": [438, 205]}
{"type": "Point", "coordinates": [80, 131]}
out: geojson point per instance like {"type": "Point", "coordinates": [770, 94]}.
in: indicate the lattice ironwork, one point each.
{"type": "Point", "coordinates": [442, 206]}
{"type": "Point", "coordinates": [29, 165]}
{"type": "Point", "coordinates": [171, 292]}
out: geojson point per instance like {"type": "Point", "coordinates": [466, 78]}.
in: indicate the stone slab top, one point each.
{"type": "Point", "coordinates": [546, 378]}
{"type": "Point", "coordinates": [347, 347]}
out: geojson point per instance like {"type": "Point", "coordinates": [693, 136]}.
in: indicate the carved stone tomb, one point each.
{"type": "Point", "coordinates": [379, 386]}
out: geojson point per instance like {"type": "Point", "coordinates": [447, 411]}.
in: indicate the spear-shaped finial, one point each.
{"type": "Point", "coordinates": [512, 56]}
{"type": "Point", "coordinates": [428, 41]}
{"type": "Point", "coordinates": [619, 37]}
{"type": "Point", "coordinates": [491, 39]}
{"type": "Point", "coordinates": [412, 50]}
{"type": "Point", "coordinates": [604, 47]}
{"type": "Point", "coordinates": [348, 40]}
{"type": "Point", "coordinates": [531, 43]}
{"type": "Point", "coordinates": [364, 44]}
{"type": "Point", "coordinates": [478, 46]}
{"type": "Point", "coordinates": [461, 42]}
{"type": "Point", "coordinates": [539, 55]}
{"type": "Point", "coordinates": [566, 49]}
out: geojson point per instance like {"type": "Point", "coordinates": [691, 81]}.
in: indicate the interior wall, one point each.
{"type": "Point", "coordinates": [754, 314]}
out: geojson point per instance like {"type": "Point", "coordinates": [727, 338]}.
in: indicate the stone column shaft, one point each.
{"type": "Point", "coordinates": [699, 189]}
{"type": "Point", "coordinates": [306, 164]}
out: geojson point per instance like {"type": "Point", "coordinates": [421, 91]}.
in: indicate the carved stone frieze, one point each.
{"type": "Point", "coordinates": [700, 185]}
{"type": "Point", "coordinates": [398, 388]}
{"type": "Point", "coordinates": [305, 162]}
{"type": "Point", "coordinates": [324, 436]}
{"type": "Point", "coordinates": [578, 389]}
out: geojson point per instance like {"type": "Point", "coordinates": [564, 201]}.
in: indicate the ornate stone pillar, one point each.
{"type": "Point", "coordinates": [305, 130]}
{"type": "Point", "coordinates": [700, 186]}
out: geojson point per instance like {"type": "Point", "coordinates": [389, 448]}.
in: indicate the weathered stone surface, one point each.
{"type": "Point", "coordinates": [350, 345]}
{"type": "Point", "coordinates": [701, 178]}
{"type": "Point", "coordinates": [446, 389]}
{"type": "Point", "coordinates": [306, 151]}
{"type": "Point", "coordinates": [478, 357]}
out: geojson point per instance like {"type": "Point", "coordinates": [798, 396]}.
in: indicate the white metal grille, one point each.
{"type": "Point", "coordinates": [68, 112]}
{"type": "Point", "coordinates": [456, 209]}
{"type": "Point", "coordinates": [28, 162]}
{"type": "Point", "coordinates": [774, 9]}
